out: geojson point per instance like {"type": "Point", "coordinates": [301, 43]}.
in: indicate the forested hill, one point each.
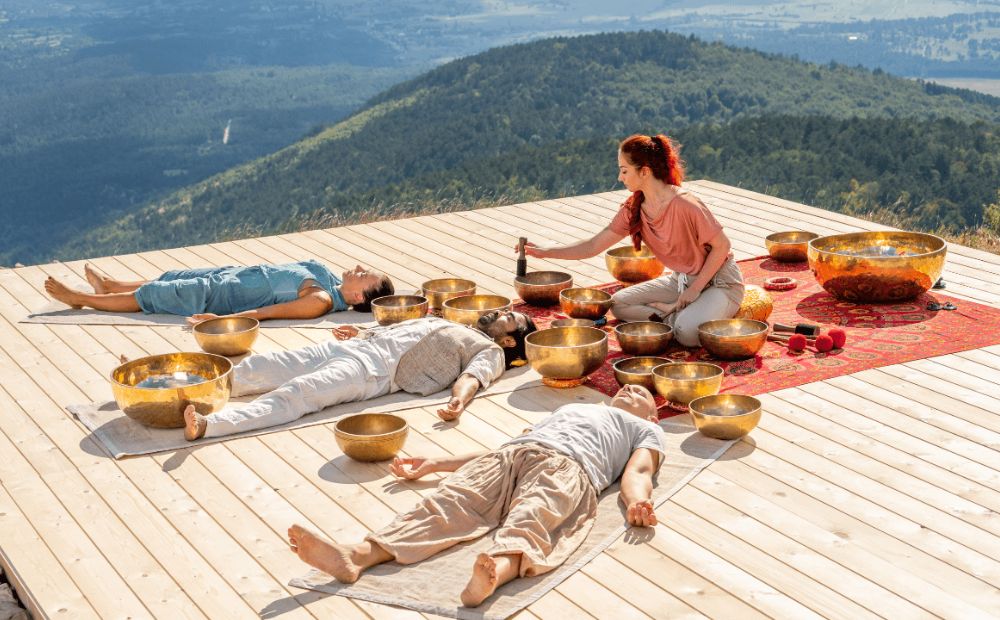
{"type": "Point", "coordinates": [542, 119]}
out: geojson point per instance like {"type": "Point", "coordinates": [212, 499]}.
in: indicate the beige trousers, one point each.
{"type": "Point", "coordinates": [719, 300]}
{"type": "Point", "coordinates": [541, 502]}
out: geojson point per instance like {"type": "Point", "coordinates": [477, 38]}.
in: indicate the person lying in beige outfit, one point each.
{"type": "Point", "coordinates": [539, 491]}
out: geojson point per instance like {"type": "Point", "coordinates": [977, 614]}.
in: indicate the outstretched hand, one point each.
{"type": "Point", "coordinates": [531, 249]}
{"type": "Point", "coordinates": [452, 410]}
{"type": "Point", "coordinates": [345, 332]}
{"type": "Point", "coordinates": [194, 319]}
{"type": "Point", "coordinates": [411, 468]}
{"type": "Point", "coordinates": [641, 514]}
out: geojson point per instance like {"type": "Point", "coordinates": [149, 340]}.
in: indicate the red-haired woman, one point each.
{"type": "Point", "coordinates": [679, 229]}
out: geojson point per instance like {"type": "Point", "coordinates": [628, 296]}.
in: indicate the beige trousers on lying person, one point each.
{"type": "Point", "coordinates": [541, 502]}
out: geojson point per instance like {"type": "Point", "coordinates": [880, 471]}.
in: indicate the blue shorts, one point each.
{"type": "Point", "coordinates": [219, 290]}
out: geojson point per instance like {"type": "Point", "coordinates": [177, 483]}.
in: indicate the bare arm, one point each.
{"type": "Point", "coordinates": [309, 306]}
{"type": "Point", "coordinates": [716, 257]}
{"type": "Point", "coordinates": [579, 250]}
{"type": "Point", "coordinates": [637, 487]}
{"type": "Point", "coordinates": [462, 392]}
{"type": "Point", "coordinates": [415, 467]}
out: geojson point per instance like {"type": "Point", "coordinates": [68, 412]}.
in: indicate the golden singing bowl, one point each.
{"type": "Point", "coordinates": [683, 382]}
{"type": "Point", "coordinates": [468, 309]}
{"type": "Point", "coordinates": [566, 352]}
{"type": "Point", "coordinates": [397, 308]}
{"type": "Point", "coordinates": [725, 416]}
{"type": "Point", "coordinates": [882, 266]}
{"type": "Point", "coordinates": [585, 303]}
{"type": "Point", "coordinates": [789, 246]}
{"type": "Point", "coordinates": [757, 304]}
{"type": "Point", "coordinates": [638, 371]}
{"type": "Point", "coordinates": [441, 290]}
{"type": "Point", "coordinates": [572, 323]}
{"type": "Point", "coordinates": [541, 288]}
{"type": "Point", "coordinates": [371, 436]}
{"type": "Point", "coordinates": [733, 339]}
{"type": "Point", "coordinates": [627, 265]}
{"type": "Point", "coordinates": [227, 335]}
{"type": "Point", "coordinates": [163, 407]}
{"type": "Point", "coordinates": [644, 337]}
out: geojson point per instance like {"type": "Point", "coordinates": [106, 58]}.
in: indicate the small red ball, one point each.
{"type": "Point", "coordinates": [824, 343]}
{"type": "Point", "coordinates": [797, 342]}
{"type": "Point", "coordinates": [839, 337]}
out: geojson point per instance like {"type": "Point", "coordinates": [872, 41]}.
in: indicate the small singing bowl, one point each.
{"type": "Point", "coordinates": [227, 335]}
{"type": "Point", "coordinates": [725, 416]}
{"type": "Point", "coordinates": [638, 371]}
{"type": "Point", "coordinates": [733, 339]}
{"type": "Point", "coordinates": [371, 436]}
{"type": "Point", "coordinates": [441, 290]}
{"type": "Point", "coordinates": [644, 337]}
{"type": "Point", "coordinates": [566, 352]}
{"type": "Point", "coordinates": [468, 309]}
{"type": "Point", "coordinates": [790, 246]}
{"type": "Point", "coordinates": [397, 308]}
{"type": "Point", "coordinates": [683, 382]}
{"type": "Point", "coordinates": [572, 323]}
{"type": "Point", "coordinates": [541, 288]}
{"type": "Point", "coordinates": [172, 382]}
{"type": "Point", "coordinates": [630, 266]}
{"type": "Point", "coordinates": [585, 303]}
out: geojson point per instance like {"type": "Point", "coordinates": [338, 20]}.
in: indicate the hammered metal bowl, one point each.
{"type": "Point", "coordinates": [163, 407]}
{"type": "Point", "coordinates": [757, 304]}
{"type": "Point", "coordinates": [644, 337]}
{"type": "Point", "coordinates": [441, 290]}
{"type": "Point", "coordinates": [630, 266]}
{"type": "Point", "coordinates": [469, 308]}
{"type": "Point", "coordinates": [227, 335]}
{"type": "Point", "coordinates": [572, 323]}
{"type": "Point", "coordinates": [585, 303]}
{"type": "Point", "coordinates": [541, 288]}
{"type": "Point", "coordinates": [683, 382]}
{"type": "Point", "coordinates": [733, 339]}
{"type": "Point", "coordinates": [566, 352]}
{"type": "Point", "coordinates": [880, 266]}
{"type": "Point", "coordinates": [638, 370]}
{"type": "Point", "coordinates": [371, 436]}
{"type": "Point", "coordinates": [789, 246]}
{"type": "Point", "coordinates": [725, 416]}
{"type": "Point", "coordinates": [398, 308]}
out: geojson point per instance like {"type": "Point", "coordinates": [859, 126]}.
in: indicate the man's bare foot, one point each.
{"type": "Point", "coordinates": [96, 279]}
{"type": "Point", "coordinates": [194, 424]}
{"type": "Point", "coordinates": [330, 558]}
{"type": "Point", "coordinates": [63, 293]}
{"type": "Point", "coordinates": [482, 583]}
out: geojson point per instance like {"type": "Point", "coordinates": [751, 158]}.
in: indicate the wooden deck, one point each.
{"type": "Point", "coordinates": [874, 494]}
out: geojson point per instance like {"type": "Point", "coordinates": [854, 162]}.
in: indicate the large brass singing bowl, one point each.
{"type": "Point", "coordinates": [371, 436]}
{"type": "Point", "coordinates": [541, 288]}
{"type": "Point", "coordinates": [566, 352]}
{"type": "Point", "coordinates": [397, 308]}
{"type": "Point", "coordinates": [683, 382]}
{"type": "Point", "coordinates": [585, 303]}
{"type": "Point", "coordinates": [733, 339]}
{"type": "Point", "coordinates": [441, 290]}
{"type": "Point", "coordinates": [644, 337]}
{"type": "Point", "coordinates": [572, 323]}
{"type": "Point", "coordinates": [627, 265]}
{"type": "Point", "coordinates": [725, 416]}
{"type": "Point", "coordinates": [227, 335]}
{"type": "Point", "coordinates": [638, 371]}
{"type": "Point", "coordinates": [790, 246]}
{"type": "Point", "coordinates": [468, 309]}
{"type": "Point", "coordinates": [164, 407]}
{"type": "Point", "coordinates": [882, 266]}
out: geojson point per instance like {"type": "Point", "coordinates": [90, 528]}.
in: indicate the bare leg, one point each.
{"type": "Point", "coordinates": [488, 574]}
{"type": "Point", "coordinates": [194, 424]}
{"type": "Point", "coordinates": [103, 284]}
{"type": "Point", "coordinates": [108, 302]}
{"type": "Point", "coordinates": [344, 562]}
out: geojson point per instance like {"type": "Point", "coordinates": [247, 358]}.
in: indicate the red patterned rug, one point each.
{"type": "Point", "coordinates": [877, 334]}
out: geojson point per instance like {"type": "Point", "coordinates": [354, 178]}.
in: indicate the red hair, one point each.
{"type": "Point", "coordinates": [658, 153]}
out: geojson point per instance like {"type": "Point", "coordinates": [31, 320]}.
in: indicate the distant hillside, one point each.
{"type": "Point", "coordinates": [542, 119]}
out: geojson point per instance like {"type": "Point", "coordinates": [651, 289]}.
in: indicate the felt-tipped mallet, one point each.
{"type": "Point", "coordinates": [806, 329]}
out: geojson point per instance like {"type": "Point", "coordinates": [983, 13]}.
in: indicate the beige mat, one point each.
{"type": "Point", "coordinates": [122, 436]}
{"type": "Point", "coordinates": [433, 586]}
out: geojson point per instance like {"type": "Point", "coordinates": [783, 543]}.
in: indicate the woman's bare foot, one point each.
{"type": "Point", "coordinates": [194, 424]}
{"type": "Point", "coordinates": [482, 583]}
{"type": "Point", "coordinates": [60, 292]}
{"type": "Point", "coordinates": [97, 280]}
{"type": "Point", "coordinates": [328, 557]}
